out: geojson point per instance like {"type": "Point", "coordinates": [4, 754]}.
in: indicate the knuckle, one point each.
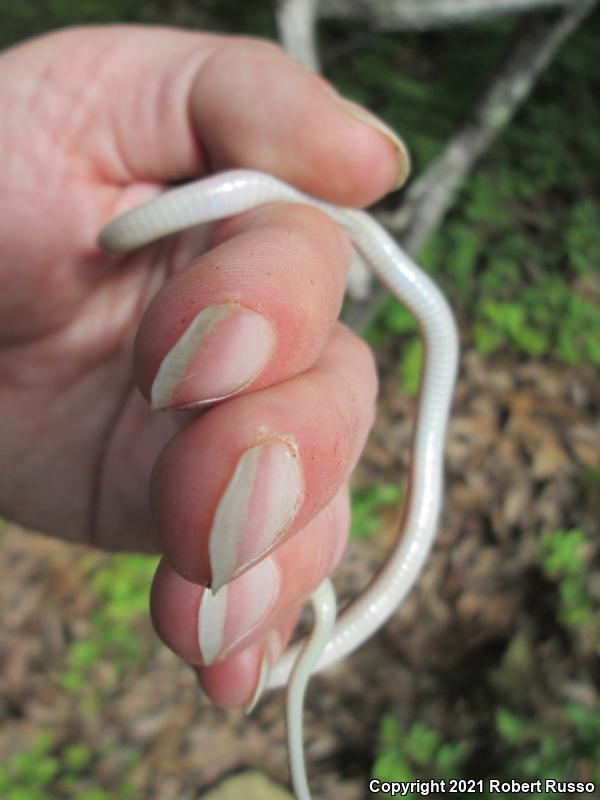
{"type": "Point", "coordinates": [238, 51]}
{"type": "Point", "coordinates": [310, 228]}
{"type": "Point", "coordinates": [305, 233]}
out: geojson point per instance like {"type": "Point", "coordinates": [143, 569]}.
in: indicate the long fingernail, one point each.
{"type": "Point", "coordinates": [226, 617]}
{"type": "Point", "coordinates": [256, 508]}
{"type": "Point", "coordinates": [271, 653]}
{"type": "Point", "coordinates": [221, 352]}
{"type": "Point", "coordinates": [362, 115]}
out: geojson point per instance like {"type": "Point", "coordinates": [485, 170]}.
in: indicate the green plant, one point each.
{"type": "Point", "coordinates": [564, 556]}
{"type": "Point", "coordinates": [518, 254]}
{"type": "Point", "coordinates": [545, 748]}
{"type": "Point", "coordinates": [582, 237]}
{"type": "Point", "coordinates": [367, 506]}
{"type": "Point", "coordinates": [410, 367]}
{"type": "Point", "coordinates": [543, 739]}
{"type": "Point", "coordinates": [26, 775]}
{"type": "Point", "coordinates": [395, 320]}
{"type": "Point", "coordinates": [47, 771]}
{"type": "Point", "coordinates": [419, 751]}
{"type": "Point", "coordinates": [121, 584]}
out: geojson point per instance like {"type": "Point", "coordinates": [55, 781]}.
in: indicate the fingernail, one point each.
{"type": "Point", "coordinates": [271, 653]}
{"type": "Point", "coordinates": [256, 508]}
{"type": "Point", "coordinates": [221, 352]}
{"type": "Point", "coordinates": [226, 617]}
{"type": "Point", "coordinates": [362, 115]}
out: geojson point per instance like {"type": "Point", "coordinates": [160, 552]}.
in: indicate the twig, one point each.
{"type": "Point", "coordinates": [428, 199]}
{"type": "Point", "coordinates": [296, 20]}
{"type": "Point", "coordinates": [402, 15]}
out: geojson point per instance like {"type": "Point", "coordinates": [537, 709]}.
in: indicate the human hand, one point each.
{"type": "Point", "coordinates": [98, 121]}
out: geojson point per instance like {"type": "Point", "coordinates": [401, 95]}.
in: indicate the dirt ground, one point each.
{"type": "Point", "coordinates": [521, 436]}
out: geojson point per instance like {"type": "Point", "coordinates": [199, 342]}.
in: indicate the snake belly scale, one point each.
{"type": "Point", "coordinates": [229, 193]}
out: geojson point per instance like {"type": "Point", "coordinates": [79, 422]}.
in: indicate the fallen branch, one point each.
{"type": "Point", "coordinates": [296, 21]}
{"type": "Point", "coordinates": [429, 197]}
{"type": "Point", "coordinates": [403, 15]}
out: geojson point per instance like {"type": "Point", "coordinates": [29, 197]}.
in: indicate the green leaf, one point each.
{"type": "Point", "coordinates": [410, 367]}
{"type": "Point", "coordinates": [464, 244]}
{"type": "Point", "coordinates": [449, 757]}
{"type": "Point", "coordinates": [72, 680]}
{"type": "Point", "coordinates": [77, 757]}
{"type": "Point", "coordinates": [96, 794]}
{"type": "Point", "coordinates": [25, 793]}
{"type": "Point", "coordinates": [421, 744]}
{"type": "Point", "coordinates": [44, 743]}
{"type": "Point", "coordinates": [392, 767]}
{"type": "Point", "coordinates": [511, 727]}
{"type": "Point", "coordinates": [84, 653]}
{"type": "Point", "coordinates": [44, 770]}
{"type": "Point", "coordinates": [486, 338]}
{"type": "Point", "coordinates": [367, 505]}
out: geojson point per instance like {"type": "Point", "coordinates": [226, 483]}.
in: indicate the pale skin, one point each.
{"type": "Point", "coordinates": [96, 121]}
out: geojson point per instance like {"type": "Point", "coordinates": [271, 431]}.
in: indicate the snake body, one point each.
{"type": "Point", "coordinates": [229, 193]}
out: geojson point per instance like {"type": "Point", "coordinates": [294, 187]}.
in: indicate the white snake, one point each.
{"type": "Point", "coordinates": [230, 193]}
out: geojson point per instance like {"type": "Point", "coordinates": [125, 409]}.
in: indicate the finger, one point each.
{"type": "Point", "coordinates": [255, 310]}
{"type": "Point", "coordinates": [255, 470]}
{"type": "Point", "coordinates": [206, 629]}
{"type": "Point", "coordinates": [163, 104]}
{"type": "Point", "coordinates": [318, 142]}
{"type": "Point", "coordinates": [240, 679]}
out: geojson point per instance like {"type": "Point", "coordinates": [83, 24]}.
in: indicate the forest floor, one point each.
{"type": "Point", "coordinates": [485, 628]}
